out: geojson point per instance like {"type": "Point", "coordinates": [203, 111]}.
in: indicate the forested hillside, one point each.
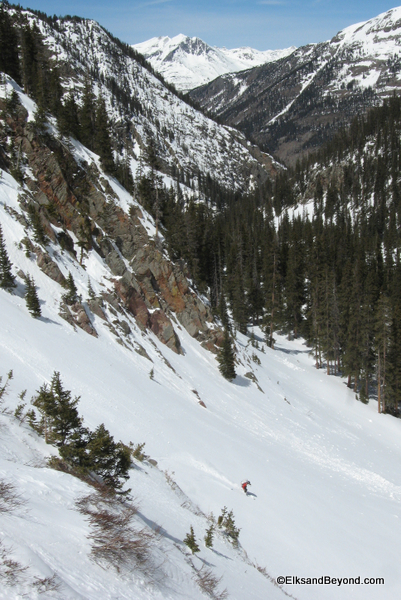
{"type": "Point", "coordinates": [317, 254]}
{"type": "Point", "coordinates": [293, 105]}
{"type": "Point", "coordinates": [164, 283]}
{"type": "Point", "coordinates": [311, 251]}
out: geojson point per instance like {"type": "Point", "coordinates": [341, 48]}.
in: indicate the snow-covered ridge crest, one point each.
{"type": "Point", "coordinates": [190, 62]}
{"type": "Point", "coordinates": [187, 141]}
{"type": "Point", "coordinates": [291, 106]}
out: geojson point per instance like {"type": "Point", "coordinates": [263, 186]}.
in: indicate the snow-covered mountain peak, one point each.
{"type": "Point", "coordinates": [383, 28]}
{"type": "Point", "coordinates": [188, 62]}
{"type": "Point", "coordinates": [317, 84]}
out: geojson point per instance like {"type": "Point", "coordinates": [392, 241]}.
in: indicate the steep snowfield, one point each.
{"type": "Point", "coordinates": [190, 62]}
{"type": "Point", "coordinates": [373, 52]}
{"type": "Point", "coordinates": [326, 484]}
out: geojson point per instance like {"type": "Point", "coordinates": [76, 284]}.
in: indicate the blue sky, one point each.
{"type": "Point", "coordinates": [261, 24]}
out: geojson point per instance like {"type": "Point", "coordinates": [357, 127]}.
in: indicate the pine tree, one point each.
{"type": "Point", "coordinates": [102, 137]}
{"type": "Point", "coordinates": [87, 116]}
{"type": "Point", "coordinates": [60, 419]}
{"type": "Point", "coordinates": [71, 295]}
{"type": "Point", "coordinates": [91, 292]}
{"type": "Point", "coordinates": [31, 298]}
{"type": "Point", "coordinates": [107, 458]}
{"type": "Point", "coordinates": [209, 536]}
{"type": "Point", "coordinates": [382, 343]}
{"type": "Point", "coordinates": [226, 358]}
{"type": "Point", "coordinates": [226, 521]}
{"type": "Point", "coordinates": [7, 279]}
{"type": "Point", "coordinates": [9, 60]}
{"type": "Point", "coordinates": [38, 230]}
{"type": "Point", "coordinates": [68, 121]}
{"type": "Point", "coordinates": [190, 541]}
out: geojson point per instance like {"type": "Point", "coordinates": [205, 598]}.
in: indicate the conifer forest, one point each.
{"type": "Point", "coordinates": [313, 251]}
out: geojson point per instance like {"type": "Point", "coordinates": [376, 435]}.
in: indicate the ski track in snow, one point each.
{"type": "Point", "coordinates": [324, 468]}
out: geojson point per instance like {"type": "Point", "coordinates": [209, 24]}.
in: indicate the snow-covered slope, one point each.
{"type": "Point", "coordinates": [326, 487]}
{"type": "Point", "coordinates": [189, 62]}
{"type": "Point", "coordinates": [186, 141]}
{"type": "Point", "coordinates": [295, 104]}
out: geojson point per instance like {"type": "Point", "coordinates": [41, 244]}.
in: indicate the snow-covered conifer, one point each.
{"type": "Point", "coordinates": [226, 358]}
{"type": "Point", "coordinates": [190, 541]}
{"type": "Point", "coordinates": [31, 298]}
{"type": "Point", "coordinates": [7, 280]}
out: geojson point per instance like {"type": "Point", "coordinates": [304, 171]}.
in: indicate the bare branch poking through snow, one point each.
{"type": "Point", "coordinates": [9, 498]}
{"type": "Point", "coordinates": [115, 540]}
{"type": "Point", "coordinates": [208, 583]}
{"type": "Point", "coordinates": [11, 571]}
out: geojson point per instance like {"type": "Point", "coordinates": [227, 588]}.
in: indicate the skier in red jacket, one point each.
{"type": "Point", "coordinates": [244, 486]}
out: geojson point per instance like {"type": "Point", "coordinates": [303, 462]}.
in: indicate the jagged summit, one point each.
{"type": "Point", "coordinates": [189, 62]}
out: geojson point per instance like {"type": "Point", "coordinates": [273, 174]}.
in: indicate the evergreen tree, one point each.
{"type": "Point", "coordinates": [87, 116]}
{"type": "Point", "coordinates": [226, 358]}
{"type": "Point", "coordinates": [60, 419]}
{"type": "Point", "coordinates": [38, 230]}
{"type": "Point", "coordinates": [9, 59]}
{"type": "Point", "coordinates": [209, 536]}
{"type": "Point", "coordinates": [107, 458]}
{"type": "Point", "coordinates": [7, 279]}
{"type": "Point", "coordinates": [382, 343]}
{"type": "Point", "coordinates": [91, 292]}
{"type": "Point", "coordinates": [31, 298]}
{"type": "Point", "coordinates": [71, 295]}
{"type": "Point", "coordinates": [226, 521]}
{"type": "Point", "coordinates": [102, 139]}
{"type": "Point", "coordinates": [190, 541]}
{"type": "Point", "coordinates": [68, 120]}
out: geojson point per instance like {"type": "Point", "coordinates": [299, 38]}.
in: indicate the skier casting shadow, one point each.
{"type": "Point", "coordinates": [244, 485]}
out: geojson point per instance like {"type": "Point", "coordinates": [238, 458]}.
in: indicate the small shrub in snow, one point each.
{"type": "Point", "coordinates": [138, 453]}
{"type": "Point", "coordinates": [209, 536]}
{"type": "Point", "coordinates": [208, 583]}
{"type": "Point", "coordinates": [226, 522]}
{"type": "Point", "coordinates": [170, 480]}
{"type": "Point", "coordinates": [19, 411]}
{"type": "Point", "coordinates": [115, 539]}
{"type": "Point", "coordinates": [11, 571]}
{"type": "Point", "coordinates": [48, 584]}
{"type": "Point", "coordinates": [9, 498]}
{"type": "Point", "coordinates": [3, 388]}
{"type": "Point", "coordinates": [190, 541]}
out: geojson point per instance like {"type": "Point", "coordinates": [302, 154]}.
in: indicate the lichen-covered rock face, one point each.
{"type": "Point", "coordinates": [77, 316]}
{"type": "Point", "coordinates": [49, 267]}
{"type": "Point", "coordinates": [164, 330]}
{"type": "Point", "coordinates": [78, 200]}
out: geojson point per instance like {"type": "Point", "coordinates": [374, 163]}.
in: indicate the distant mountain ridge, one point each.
{"type": "Point", "coordinates": [190, 62]}
{"type": "Point", "coordinates": [294, 104]}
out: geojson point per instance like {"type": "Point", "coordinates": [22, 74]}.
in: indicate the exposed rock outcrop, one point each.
{"type": "Point", "coordinates": [75, 198]}
{"type": "Point", "coordinates": [76, 315]}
